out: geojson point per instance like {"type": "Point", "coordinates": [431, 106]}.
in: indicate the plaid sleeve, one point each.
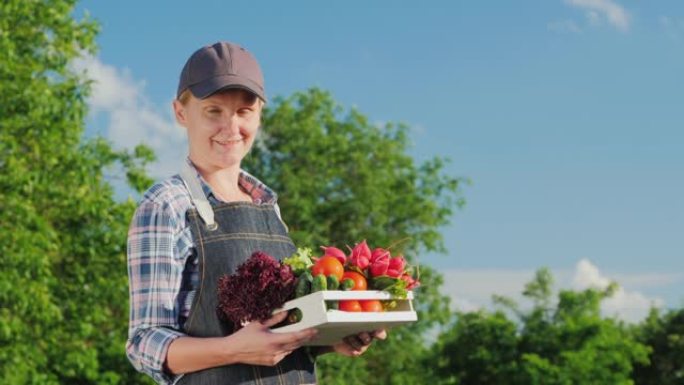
{"type": "Point", "coordinates": [155, 273]}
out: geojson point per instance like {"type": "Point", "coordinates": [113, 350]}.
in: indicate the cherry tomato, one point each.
{"type": "Point", "coordinates": [350, 305]}
{"type": "Point", "coordinates": [328, 266]}
{"type": "Point", "coordinates": [359, 280]}
{"type": "Point", "coordinates": [371, 305]}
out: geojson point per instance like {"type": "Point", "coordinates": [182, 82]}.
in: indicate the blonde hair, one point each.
{"type": "Point", "coordinates": [185, 96]}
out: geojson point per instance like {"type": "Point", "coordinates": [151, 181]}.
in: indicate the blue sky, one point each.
{"type": "Point", "coordinates": [565, 114]}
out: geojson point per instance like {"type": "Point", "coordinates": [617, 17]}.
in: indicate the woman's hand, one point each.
{"type": "Point", "coordinates": [356, 345]}
{"type": "Point", "coordinates": [256, 344]}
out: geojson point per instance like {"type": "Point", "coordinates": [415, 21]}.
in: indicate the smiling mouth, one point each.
{"type": "Point", "coordinates": [228, 142]}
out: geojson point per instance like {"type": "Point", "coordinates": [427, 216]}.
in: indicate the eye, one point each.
{"type": "Point", "coordinates": [245, 111]}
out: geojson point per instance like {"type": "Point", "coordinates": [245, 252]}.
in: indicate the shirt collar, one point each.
{"type": "Point", "coordinates": [260, 193]}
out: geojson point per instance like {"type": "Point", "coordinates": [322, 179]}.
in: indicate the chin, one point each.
{"type": "Point", "coordinates": [228, 162]}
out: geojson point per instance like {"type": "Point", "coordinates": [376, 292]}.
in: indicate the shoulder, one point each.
{"type": "Point", "coordinates": [166, 191]}
{"type": "Point", "coordinates": [169, 198]}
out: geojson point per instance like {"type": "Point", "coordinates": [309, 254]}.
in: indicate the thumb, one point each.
{"type": "Point", "coordinates": [275, 319]}
{"type": "Point", "coordinates": [380, 334]}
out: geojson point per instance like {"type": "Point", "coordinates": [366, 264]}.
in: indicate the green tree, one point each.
{"type": "Point", "coordinates": [572, 343]}
{"type": "Point", "coordinates": [481, 348]}
{"type": "Point", "coordinates": [343, 179]}
{"type": "Point", "coordinates": [664, 333]}
{"type": "Point", "coordinates": [568, 342]}
{"type": "Point", "coordinates": [63, 293]}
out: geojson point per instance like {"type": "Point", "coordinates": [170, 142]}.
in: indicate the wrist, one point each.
{"type": "Point", "coordinates": [227, 350]}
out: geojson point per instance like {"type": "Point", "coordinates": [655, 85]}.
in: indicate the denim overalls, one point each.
{"type": "Point", "coordinates": [226, 235]}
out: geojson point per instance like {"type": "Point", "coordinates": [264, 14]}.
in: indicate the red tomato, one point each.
{"type": "Point", "coordinates": [372, 305]}
{"type": "Point", "coordinates": [328, 266]}
{"type": "Point", "coordinates": [359, 280]}
{"type": "Point", "coordinates": [350, 305]}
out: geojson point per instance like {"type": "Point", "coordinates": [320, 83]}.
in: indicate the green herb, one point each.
{"type": "Point", "coordinates": [300, 261]}
{"type": "Point", "coordinates": [394, 286]}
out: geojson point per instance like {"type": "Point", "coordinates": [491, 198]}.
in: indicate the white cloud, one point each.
{"type": "Point", "coordinates": [598, 10]}
{"type": "Point", "coordinates": [465, 305]}
{"type": "Point", "coordinates": [626, 304]}
{"type": "Point", "coordinates": [587, 275]}
{"type": "Point", "coordinates": [472, 289]}
{"type": "Point", "coordinates": [645, 280]}
{"type": "Point", "coordinates": [131, 118]}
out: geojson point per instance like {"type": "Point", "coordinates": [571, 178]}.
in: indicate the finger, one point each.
{"type": "Point", "coordinates": [275, 319]}
{"type": "Point", "coordinates": [354, 342]}
{"type": "Point", "coordinates": [290, 347]}
{"type": "Point", "coordinates": [350, 352]}
{"type": "Point", "coordinates": [346, 349]}
{"type": "Point", "coordinates": [365, 338]}
{"type": "Point", "coordinates": [294, 338]}
{"type": "Point", "coordinates": [275, 359]}
{"type": "Point", "coordinates": [284, 353]}
{"type": "Point", "coordinates": [380, 334]}
{"type": "Point", "coordinates": [292, 344]}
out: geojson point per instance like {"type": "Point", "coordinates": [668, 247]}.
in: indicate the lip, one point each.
{"type": "Point", "coordinates": [229, 142]}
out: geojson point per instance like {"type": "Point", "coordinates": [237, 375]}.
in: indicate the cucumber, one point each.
{"type": "Point", "coordinates": [347, 284]}
{"type": "Point", "coordinates": [294, 316]}
{"type": "Point", "coordinates": [303, 287]}
{"type": "Point", "coordinates": [319, 283]}
{"type": "Point", "coordinates": [333, 283]}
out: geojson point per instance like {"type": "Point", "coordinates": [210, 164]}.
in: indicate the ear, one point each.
{"type": "Point", "coordinates": [179, 112]}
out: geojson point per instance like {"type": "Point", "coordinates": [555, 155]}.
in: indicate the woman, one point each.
{"type": "Point", "coordinates": [194, 227]}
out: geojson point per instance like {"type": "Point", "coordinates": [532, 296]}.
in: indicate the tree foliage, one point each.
{"type": "Point", "coordinates": [568, 342]}
{"type": "Point", "coordinates": [481, 348]}
{"type": "Point", "coordinates": [343, 179]}
{"type": "Point", "coordinates": [63, 292]}
{"type": "Point", "coordinates": [664, 333]}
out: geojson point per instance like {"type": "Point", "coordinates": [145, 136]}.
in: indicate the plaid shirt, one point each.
{"type": "Point", "coordinates": [163, 269]}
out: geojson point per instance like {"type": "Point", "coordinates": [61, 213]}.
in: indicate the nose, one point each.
{"type": "Point", "coordinates": [230, 123]}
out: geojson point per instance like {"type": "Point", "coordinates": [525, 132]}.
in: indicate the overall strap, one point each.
{"type": "Point", "coordinates": [189, 176]}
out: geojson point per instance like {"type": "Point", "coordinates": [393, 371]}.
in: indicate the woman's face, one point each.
{"type": "Point", "coordinates": [221, 128]}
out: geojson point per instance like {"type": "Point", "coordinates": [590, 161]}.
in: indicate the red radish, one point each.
{"type": "Point", "coordinates": [360, 255]}
{"type": "Point", "coordinates": [396, 267]}
{"type": "Point", "coordinates": [335, 252]}
{"type": "Point", "coordinates": [379, 253]}
{"type": "Point", "coordinates": [380, 263]}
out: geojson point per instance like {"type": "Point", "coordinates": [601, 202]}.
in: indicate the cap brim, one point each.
{"type": "Point", "coordinates": [211, 86]}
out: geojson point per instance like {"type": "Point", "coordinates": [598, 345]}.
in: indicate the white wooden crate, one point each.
{"type": "Point", "coordinates": [334, 325]}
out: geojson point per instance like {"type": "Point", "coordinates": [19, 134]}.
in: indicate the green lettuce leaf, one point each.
{"type": "Point", "coordinates": [300, 261]}
{"type": "Point", "coordinates": [394, 286]}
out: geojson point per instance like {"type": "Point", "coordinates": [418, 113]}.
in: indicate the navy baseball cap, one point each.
{"type": "Point", "coordinates": [222, 65]}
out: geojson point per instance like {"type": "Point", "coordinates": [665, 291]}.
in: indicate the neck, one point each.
{"type": "Point", "coordinates": [223, 182]}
